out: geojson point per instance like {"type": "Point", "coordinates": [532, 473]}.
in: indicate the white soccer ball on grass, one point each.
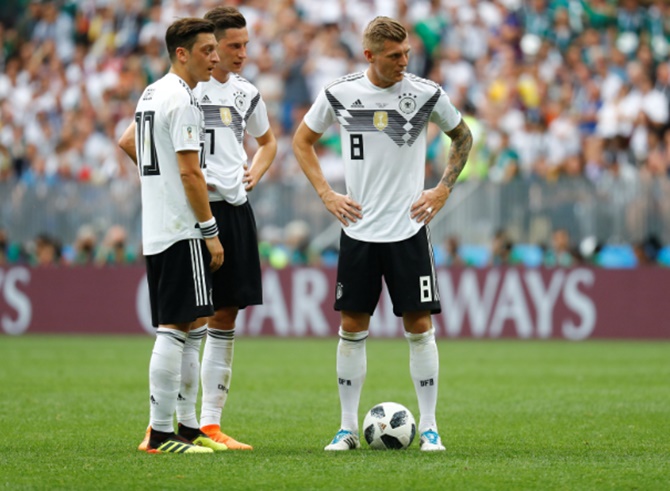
{"type": "Point", "coordinates": [389, 425]}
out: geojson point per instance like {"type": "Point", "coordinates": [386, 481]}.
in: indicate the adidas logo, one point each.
{"type": "Point", "coordinates": [206, 99]}
{"type": "Point", "coordinates": [153, 401]}
{"type": "Point", "coordinates": [180, 397]}
{"type": "Point", "coordinates": [357, 103]}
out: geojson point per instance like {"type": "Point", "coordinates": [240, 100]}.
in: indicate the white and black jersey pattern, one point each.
{"type": "Point", "coordinates": [383, 135]}
{"type": "Point", "coordinates": [215, 117]}
{"type": "Point", "coordinates": [168, 120]}
{"type": "Point", "coordinates": [231, 109]}
{"type": "Point", "coordinates": [398, 128]}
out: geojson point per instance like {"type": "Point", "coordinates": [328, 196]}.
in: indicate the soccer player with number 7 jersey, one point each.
{"type": "Point", "coordinates": [383, 115]}
{"type": "Point", "coordinates": [232, 107]}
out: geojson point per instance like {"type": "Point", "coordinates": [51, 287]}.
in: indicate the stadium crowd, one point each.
{"type": "Point", "coordinates": [552, 90]}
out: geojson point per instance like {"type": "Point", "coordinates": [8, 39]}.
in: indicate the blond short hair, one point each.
{"type": "Point", "coordinates": [382, 29]}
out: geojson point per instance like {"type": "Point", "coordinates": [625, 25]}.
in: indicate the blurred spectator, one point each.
{"type": "Point", "coordinates": [477, 166]}
{"type": "Point", "coordinates": [297, 235]}
{"type": "Point", "coordinates": [447, 253]}
{"type": "Point", "coordinates": [501, 249]}
{"type": "Point", "coordinates": [560, 253]}
{"type": "Point", "coordinates": [504, 161]}
{"type": "Point", "coordinates": [4, 248]}
{"type": "Point", "coordinates": [296, 99]}
{"type": "Point", "coordinates": [45, 251]}
{"type": "Point", "coordinates": [431, 28]}
{"type": "Point", "coordinates": [329, 256]}
{"type": "Point", "coordinates": [85, 246]}
{"type": "Point", "coordinates": [55, 27]}
{"type": "Point", "coordinates": [646, 251]}
{"type": "Point", "coordinates": [270, 248]}
{"type": "Point", "coordinates": [114, 248]}
{"type": "Point", "coordinates": [6, 170]}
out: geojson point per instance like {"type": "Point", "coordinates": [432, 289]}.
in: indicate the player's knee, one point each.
{"type": "Point", "coordinates": [224, 319]}
{"type": "Point", "coordinates": [355, 321]}
{"type": "Point", "coordinates": [417, 323]}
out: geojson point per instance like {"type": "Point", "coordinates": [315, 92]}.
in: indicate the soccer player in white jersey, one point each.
{"type": "Point", "coordinates": [176, 217]}
{"type": "Point", "coordinates": [383, 113]}
{"type": "Point", "coordinates": [232, 106]}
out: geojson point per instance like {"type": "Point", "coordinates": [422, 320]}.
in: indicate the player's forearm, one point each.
{"type": "Point", "coordinates": [309, 163]}
{"type": "Point", "coordinates": [461, 143]}
{"type": "Point", "coordinates": [303, 149]}
{"type": "Point", "coordinates": [264, 157]}
{"type": "Point", "coordinates": [195, 188]}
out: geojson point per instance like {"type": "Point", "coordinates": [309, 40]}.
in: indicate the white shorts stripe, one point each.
{"type": "Point", "coordinates": [202, 273]}
{"type": "Point", "coordinates": [436, 292]}
{"type": "Point", "coordinates": [194, 270]}
{"type": "Point", "coordinates": [198, 273]}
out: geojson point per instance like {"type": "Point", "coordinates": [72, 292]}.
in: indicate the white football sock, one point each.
{"type": "Point", "coordinates": [217, 371]}
{"type": "Point", "coordinates": [351, 371]}
{"type": "Point", "coordinates": [164, 377]}
{"type": "Point", "coordinates": [190, 378]}
{"type": "Point", "coordinates": [424, 366]}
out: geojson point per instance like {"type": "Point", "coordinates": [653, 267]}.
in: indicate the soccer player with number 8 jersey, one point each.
{"type": "Point", "coordinates": [383, 115]}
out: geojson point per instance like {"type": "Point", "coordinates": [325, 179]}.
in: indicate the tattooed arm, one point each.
{"type": "Point", "coordinates": [461, 143]}
{"type": "Point", "coordinates": [432, 200]}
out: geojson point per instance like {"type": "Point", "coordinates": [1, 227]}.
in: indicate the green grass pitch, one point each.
{"type": "Point", "coordinates": [513, 415]}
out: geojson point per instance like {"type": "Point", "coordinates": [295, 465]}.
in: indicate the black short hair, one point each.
{"type": "Point", "coordinates": [182, 33]}
{"type": "Point", "coordinates": [226, 17]}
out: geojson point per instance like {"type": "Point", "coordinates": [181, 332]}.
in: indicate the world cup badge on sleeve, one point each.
{"type": "Point", "coordinates": [190, 134]}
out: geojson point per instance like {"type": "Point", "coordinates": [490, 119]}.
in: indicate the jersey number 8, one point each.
{"type": "Point", "coordinates": [356, 144]}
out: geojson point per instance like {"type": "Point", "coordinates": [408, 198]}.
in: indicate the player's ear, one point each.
{"type": "Point", "coordinates": [369, 55]}
{"type": "Point", "coordinates": [182, 54]}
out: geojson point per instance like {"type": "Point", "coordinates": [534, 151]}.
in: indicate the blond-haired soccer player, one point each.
{"type": "Point", "coordinates": [179, 234]}
{"type": "Point", "coordinates": [383, 113]}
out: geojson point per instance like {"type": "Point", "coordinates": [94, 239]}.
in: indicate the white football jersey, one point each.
{"type": "Point", "coordinates": [230, 109]}
{"type": "Point", "coordinates": [168, 120]}
{"type": "Point", "coordinates": [383, 135]}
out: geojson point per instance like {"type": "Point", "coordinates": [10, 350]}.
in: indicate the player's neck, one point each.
{"type": "Point", "coordinates": [376, 81]}
{"type": "Point", "coordinates": [221, 76]}
{"type": "Point", "coordinates": [184, 75]}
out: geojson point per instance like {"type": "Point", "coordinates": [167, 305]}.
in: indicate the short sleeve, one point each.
{"type": "Point", "coordinates": [185, 123]}
{"type": "Point", "coordinates": [444, 114]}
{"type": "Point", "coordinates": [321, 115]}
{"type": "Point", "coordinates": [258, 123]}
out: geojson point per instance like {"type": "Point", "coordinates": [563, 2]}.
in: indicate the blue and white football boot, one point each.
{"type": "Point", "coordinates": [344, 440]}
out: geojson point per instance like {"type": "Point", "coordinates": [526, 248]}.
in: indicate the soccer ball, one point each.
{"type": "Point", "coordinates": [389, 425]}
